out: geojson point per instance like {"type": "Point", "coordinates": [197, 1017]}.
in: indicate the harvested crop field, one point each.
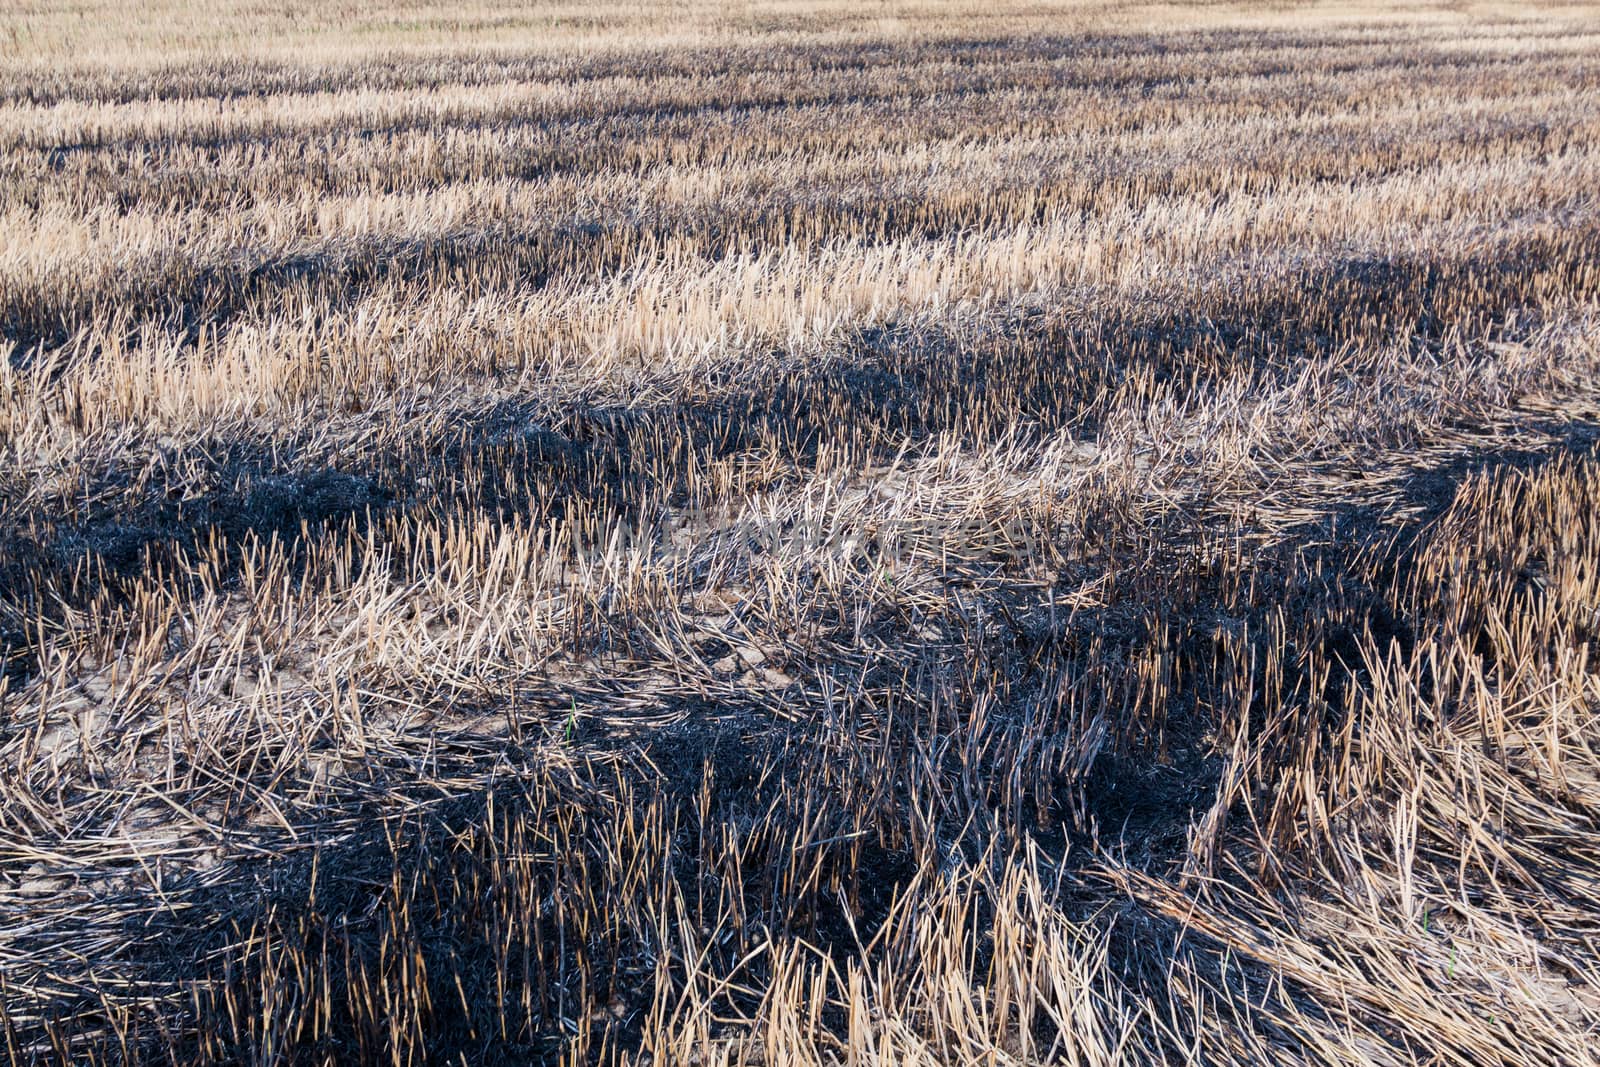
{"type": "Point", "coordinates": [795, 533]}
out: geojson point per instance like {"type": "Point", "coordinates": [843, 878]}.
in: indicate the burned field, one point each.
{"type": "Point", "coordinates": [791, 534]}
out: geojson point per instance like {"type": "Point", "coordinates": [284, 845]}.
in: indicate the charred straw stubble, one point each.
{"type": "Point", "coordinates": [799, 533]}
